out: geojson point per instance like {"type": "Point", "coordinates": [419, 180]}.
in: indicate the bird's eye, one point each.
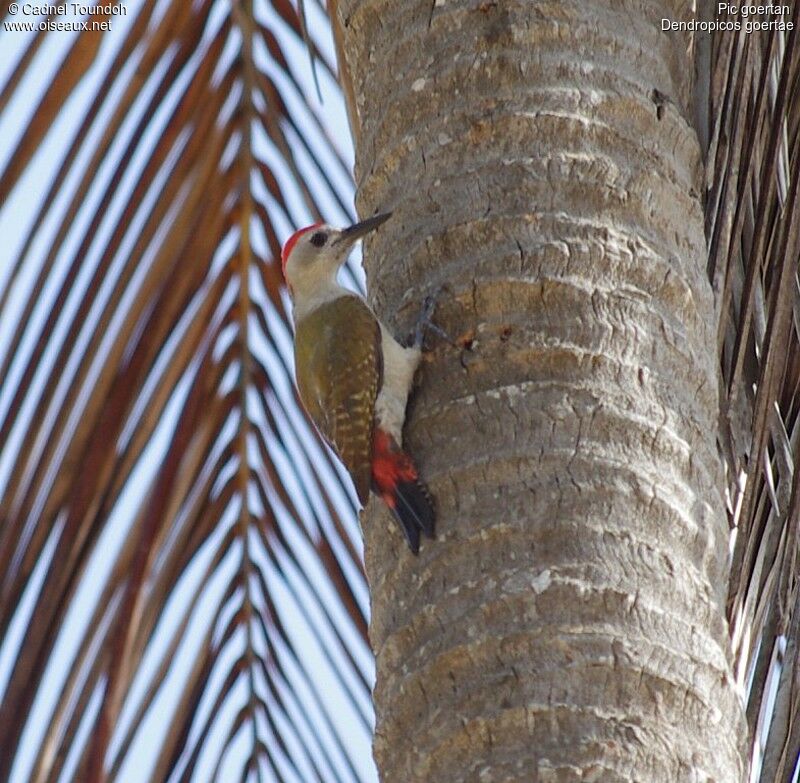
{"type": "Point", "coordinates": [319, 239]}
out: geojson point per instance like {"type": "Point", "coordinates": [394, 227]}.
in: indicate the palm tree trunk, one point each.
{"type": "Point", "coordinates": [568, 621]}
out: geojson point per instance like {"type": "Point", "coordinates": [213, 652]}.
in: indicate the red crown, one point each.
{"type": "Point", "coordinates": [291, 242]}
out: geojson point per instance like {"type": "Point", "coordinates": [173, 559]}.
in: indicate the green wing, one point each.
{"type": "Point", "coordinates": [338, 363]}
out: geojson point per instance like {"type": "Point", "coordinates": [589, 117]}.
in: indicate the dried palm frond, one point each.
{"type": "Point", "coordinates": [753, 229]}
{"type": "Point", "coordinates": [172, 532]}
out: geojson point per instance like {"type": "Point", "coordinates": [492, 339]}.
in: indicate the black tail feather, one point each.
{"type": "Point", "coordinates": [413, 508]}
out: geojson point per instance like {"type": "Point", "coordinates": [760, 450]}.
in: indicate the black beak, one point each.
{"type": "Point", "coordinates": [358, 230]}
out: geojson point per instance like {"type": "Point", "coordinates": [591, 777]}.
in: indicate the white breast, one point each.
{"type": "Point", "coordinates": [399, 366]}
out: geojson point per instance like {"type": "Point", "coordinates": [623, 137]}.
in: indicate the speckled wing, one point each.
{"type": "Point", "coordinates": [339, 369]}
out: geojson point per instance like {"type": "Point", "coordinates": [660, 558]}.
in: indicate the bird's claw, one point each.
{"type": "Point", "coordinates": [424, 322]}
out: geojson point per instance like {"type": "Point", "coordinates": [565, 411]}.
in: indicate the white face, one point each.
{"type": "Point", "coordinates": [319, 252]}
{"type": "Point", "coordinates": [316, 255]}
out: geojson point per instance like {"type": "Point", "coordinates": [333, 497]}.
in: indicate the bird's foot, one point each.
{"type": "Point", "coordinates": [425, 323]}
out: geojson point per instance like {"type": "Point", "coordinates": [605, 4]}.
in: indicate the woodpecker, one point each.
{"type": "Point", "coordinates": [353, 376]}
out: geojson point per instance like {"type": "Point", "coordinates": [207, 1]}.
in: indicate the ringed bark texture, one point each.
{"type": "Point", "coordinates": [567, 623]}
